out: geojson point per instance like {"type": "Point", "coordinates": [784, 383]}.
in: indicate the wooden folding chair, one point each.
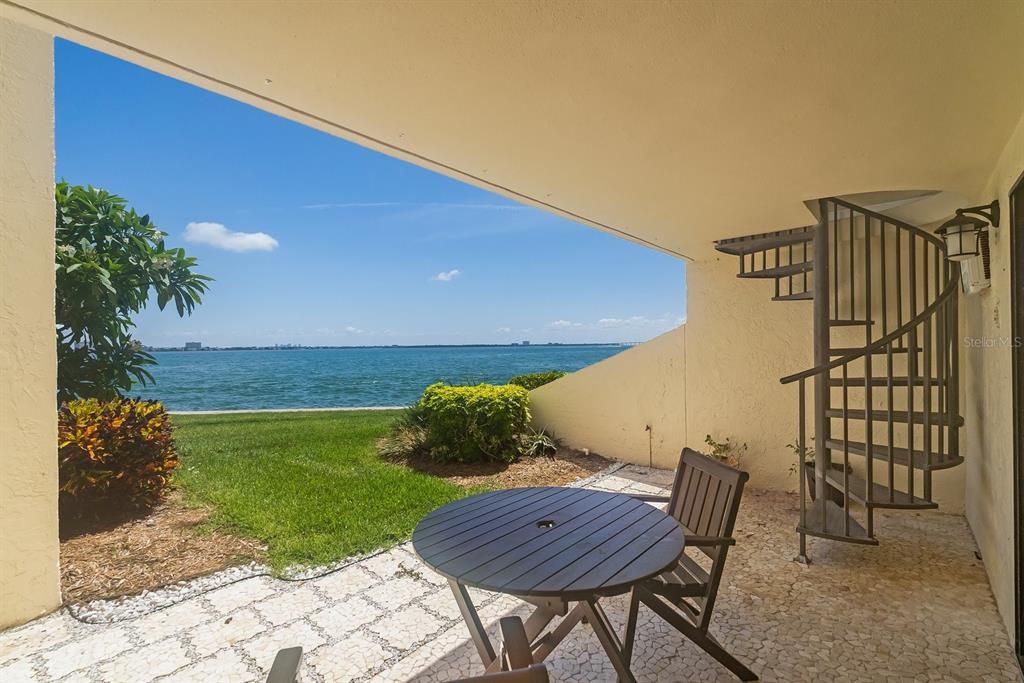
{"type": "Point", "coordinates": [705, 500]}
{"type": "Point", "coordinates": [516, 653]}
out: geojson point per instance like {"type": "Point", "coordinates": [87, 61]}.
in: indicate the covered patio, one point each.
{"type": "Point", "coordinates": [676, 126]}
{"type": "Point", "coordinates": [923, 611]}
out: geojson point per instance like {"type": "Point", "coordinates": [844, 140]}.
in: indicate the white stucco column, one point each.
{"type": "Point", "coordinates": [29, 547]}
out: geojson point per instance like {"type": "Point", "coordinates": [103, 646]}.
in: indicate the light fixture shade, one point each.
{"type": "Point", "coordinates": [962, 237]}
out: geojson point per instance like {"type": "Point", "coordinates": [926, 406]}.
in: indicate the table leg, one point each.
{"type": "Point", "coordinates": [631, 617]}
{"type": "Point", "coordinates": [534, 626]}
{"type": "Point", "coordinates": [472, 619]}
{"type": "Point", "coordinates": [605, 633]}
{"type": "Point", "coordinates": [546, 645]}
{"type": "Point", "coordinates": [537, 621]}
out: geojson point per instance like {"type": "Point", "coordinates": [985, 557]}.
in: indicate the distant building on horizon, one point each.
{"type": "Point", "coordinates": [526, 343]}
{"type": "Point", "coordinates": [193, 346]}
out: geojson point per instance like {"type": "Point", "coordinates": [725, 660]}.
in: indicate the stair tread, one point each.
{"type": "Point", "coordinates": [849, 323]}
{"type": "Point", "coordinates": [847, 350]}
{"type": "Point", "coordinates": [900, 455]}
{"type": "Point", "coordinates": [897, 416]}
{"type": "Point", "coordinates": [879, 493]}
{"type": "Point", "coordinates": [884, 381]}
{"type": "Point", "coordinates": [741, 246]}
{"type": "Point", "coordinates": [780, 271]}
{"type": "Point", "coordinates": [834, 526]}
{"type": "Point", "coordinates": [798, 296]}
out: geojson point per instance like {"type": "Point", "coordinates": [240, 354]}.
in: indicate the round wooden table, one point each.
{"type": "Point", "coordinates": [549, 546]}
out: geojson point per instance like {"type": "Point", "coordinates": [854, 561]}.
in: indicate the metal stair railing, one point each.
{"type": "Point", "coordinates": [891, 278]}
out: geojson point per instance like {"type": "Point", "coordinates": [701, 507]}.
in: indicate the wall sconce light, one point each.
{"type": "Point", "coordinates": [962, 232]}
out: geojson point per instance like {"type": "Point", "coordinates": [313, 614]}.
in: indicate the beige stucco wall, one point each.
{"type": "Point", "coordinates": [606, 407]}
{"type": "Point", "coordinates": [29, 576]}
{"type": "Point", "coordinates": [987, 441]}
{"type": "Point", "coordinates": [739, 343]}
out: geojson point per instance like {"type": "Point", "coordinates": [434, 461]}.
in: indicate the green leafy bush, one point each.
{"type": "Point", "coordinates": [470, 424]}
{"type": "Point", "coordinates": [536, 379]}
{"type": "Point", "coordinates": [116, 453]}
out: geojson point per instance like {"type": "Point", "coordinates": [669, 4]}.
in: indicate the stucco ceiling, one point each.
{"type": "Point", "coordinates": [674, 122]}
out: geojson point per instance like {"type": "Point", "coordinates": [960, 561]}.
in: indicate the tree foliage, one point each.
{"type": "Point", "coordinates": [109, 260]}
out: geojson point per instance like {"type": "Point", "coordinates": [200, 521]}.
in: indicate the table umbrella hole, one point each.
{"type": "Point", "coordinates": [545, 524]}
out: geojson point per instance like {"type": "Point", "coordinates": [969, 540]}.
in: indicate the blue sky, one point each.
{"type": "Point", "coordinates": [315, 240]}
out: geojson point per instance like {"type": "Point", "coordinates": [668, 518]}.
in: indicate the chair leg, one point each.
{"type": "Point", "coordinates": [627, 641]}
{"type": "Point", "coordinates": [697, 637]}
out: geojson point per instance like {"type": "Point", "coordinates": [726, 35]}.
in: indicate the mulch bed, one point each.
{"type": "Point", "coordinates": [124, 556]}
{"type": "Point", "coordinates": [564, 467]}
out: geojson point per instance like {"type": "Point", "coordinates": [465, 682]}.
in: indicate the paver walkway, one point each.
{"type": "Point", "coordinates": [917, 608]}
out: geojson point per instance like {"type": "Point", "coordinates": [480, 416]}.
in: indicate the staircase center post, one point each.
{"type": "Point", "coordinates": [822, 343]}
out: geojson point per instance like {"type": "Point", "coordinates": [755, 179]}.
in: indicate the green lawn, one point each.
{"type": "Point", "coordinates": [308, 484]}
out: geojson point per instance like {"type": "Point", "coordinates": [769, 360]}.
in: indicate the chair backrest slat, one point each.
{"type": "Point", "coordinates": [709, 506]}
{"type": "Point", "coordinates": [718, 514]}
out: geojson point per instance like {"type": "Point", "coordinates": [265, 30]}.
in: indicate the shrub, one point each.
{"type": "Point", "coordinates": [536, 379]}
{"type": "Point", "coordinates": [808, 458]}
{"type": "Point", "coordinates": [533, 443]}
{"type": "Point", "coordinates": [115, 453]}
{"type": "Point", "coordinates": [469, 424]}
{"type": "Point", "coordinates": [407, 437]}
{"type": "Point", "coordinates": [726, 451]}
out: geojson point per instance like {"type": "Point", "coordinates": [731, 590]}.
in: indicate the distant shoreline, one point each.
{"type": "Point", "coordinates": [281, 410]}
{"type": "Point", "coordinates": [169, 349]}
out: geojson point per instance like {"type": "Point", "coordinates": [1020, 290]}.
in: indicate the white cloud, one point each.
{"type": "Point", "coordinates": [641, 321]}
{"type": "Point", "coordinates": [503, 330]}
{"type": "Point", "coordinates": [447, 276]}
{"type": "Point", "coordinates": [563, 324]}
{"type": "Point", "coordinates": [354, 330]}
{"type": "Point", "coordinates": [219, 236]}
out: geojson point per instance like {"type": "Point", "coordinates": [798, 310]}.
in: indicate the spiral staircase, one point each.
{"type": "Point", "coordinates": [884, 386]}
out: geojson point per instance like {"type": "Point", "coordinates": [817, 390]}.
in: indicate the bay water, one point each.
{"type": "Point", "coordinates": [344, 377]}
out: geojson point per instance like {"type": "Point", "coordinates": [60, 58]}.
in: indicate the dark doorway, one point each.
{"type": "Point", "coordinates": [1017, 297]}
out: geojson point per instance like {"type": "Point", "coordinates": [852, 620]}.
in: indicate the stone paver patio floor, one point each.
{"type": "Point", "coordinates": [916, 608]}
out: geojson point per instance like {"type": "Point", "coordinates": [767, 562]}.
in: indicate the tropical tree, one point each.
{"type": "Point", "coordinates": [109, 260]}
